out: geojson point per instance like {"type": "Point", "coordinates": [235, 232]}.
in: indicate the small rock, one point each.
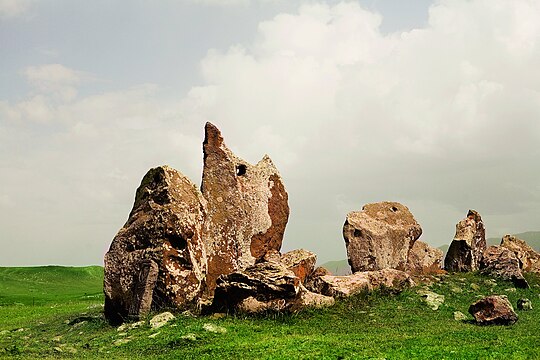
{"type": "Point", "coordinates": [214, 328]}
{"type": "Point", "coordinates": [161, 319]}
{"type": "Point", "coordinates": [71, 349]}
{"type": "Point", "coordinates": [433, 300]}
{"type": "Point", "coordinates": [475, 287]}
{"type": "Point", "coordinates": [189, 337]}
{"type": "Point", "coordinates": [456, 290]}
{"type": "Point", "coordinates": [188, 313]}
{"type": "Point", "coordinates": [58, 349]}
{"type": "Point", "coordinates": [218, 315]}
{"type": "Point", "coordinates": [4, 332]}
{"type": "Point", "coordinates": [122, 334]}
{"type": "Point", "coordinates": [20, 330]}
{"type": "Point", "coordinates": [121, 341]}
{"type": "Point", "coordinates": [510, 290]}
{"type": "Point", "coordinates": [152, 336]}
{"type": "Point", "coordinates": [493, 310]}
{"type": "Point", "coordinates": [524, 304]}
{"type": "Point", "coordinates": [459, 316]}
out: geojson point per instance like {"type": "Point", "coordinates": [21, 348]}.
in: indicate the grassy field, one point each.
{"type": "Point", "coordinates": [53, 312]}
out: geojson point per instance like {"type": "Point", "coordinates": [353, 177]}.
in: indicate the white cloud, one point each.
{"type": "Point", "coordinates": [14, 8]}
{"type": "Point", "coordinates": [55, 79]}
{"type": "Point", "coordinates": [394, 116]}
{"type": "Point", "coordinates": [227, 2]}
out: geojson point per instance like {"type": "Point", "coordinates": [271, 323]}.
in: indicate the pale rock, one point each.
{"type": "Point", "coordinates": [161, 320]}
{"type": "Point", "coordinates": [524, 304]}
{"type": "Point", "coordinates": [459, 316]}
{"type": "Point", "coordinates": [214, 328]}
{"type": "Point", "coordinates": [432, 299]}
{"type": "Point", "coordinates": [380, 236]}
{"type": "Point", "coordinates": [347, 285]}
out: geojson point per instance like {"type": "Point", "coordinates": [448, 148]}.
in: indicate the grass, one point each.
{"type": "Point", "coordinates": [66, 323]}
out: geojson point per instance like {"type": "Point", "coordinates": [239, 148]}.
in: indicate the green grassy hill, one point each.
{"type": "Point", "coordinates": [49, 284]}
{"type": "Point", "coordinates": [531, 237]}
{"type": "Point", "coordinates": [69, 324]}
{"type": "Point", "coordinates": [338, 267]}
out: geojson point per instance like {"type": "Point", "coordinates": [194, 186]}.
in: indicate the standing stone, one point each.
{"type": "Point", "coordinates": [529, 259]}
{"type": "Point", "coordinates": [493, 310]}
{"type": "Point", "coordinates": [380, 236]}
{"type": "Point", "coordinates": [468, 245]}
{"type": "Point", "coordinates": [158, 258]}
{"type": "Point", "coordinates": [247, 208]}
{"type": "Point", "coordinates": [424, 259]}
{"type": "Point", "coordinates": [500, 262]}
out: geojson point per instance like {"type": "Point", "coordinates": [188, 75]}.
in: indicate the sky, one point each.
{"type": "Point", "coordinates": [434, 104]}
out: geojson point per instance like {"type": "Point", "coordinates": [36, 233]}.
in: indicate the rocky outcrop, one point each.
{"type": "Point", "coordinates": [158, 258]}
{"type": "Point", "coordinates": [380, 236]}
{"type": "Point", "coordinates": [500, 262]}
{"type": "Point", "coordinates": [424, 259]}
{"type": "Point", "coordinates": [468, 245]}
{"type": "Point", "coordinates": [301, 262]}
{"type": "Point", "coordinates": [529, 259]}
{"type": "Point", "coordinates": [344, 286]}
{"type": "Point", "coordinates": [262, 287]}
{"type": "Point", "coordinates": [247, 208]}
{"type": "Point", "coordinates": [493, 310]}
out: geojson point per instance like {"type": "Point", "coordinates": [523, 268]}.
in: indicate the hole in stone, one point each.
{"type": "Point", "coordinates": [241, 170]}
{"type": "Point", "coordinates": [177, 241]}
{"type": "Point", "coordinates": [357, 233]}
{"type": "Point", "coordinates": [393, 209]}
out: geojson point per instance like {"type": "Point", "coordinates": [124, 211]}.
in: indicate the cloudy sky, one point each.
{"type": "Point", "coordinates": [435, 104]}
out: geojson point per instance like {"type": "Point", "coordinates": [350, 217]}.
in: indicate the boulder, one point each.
{"type": "Point", "coordinates": [380, 236]}
{"type": "Point", "coordinates": [468, 245]}
{"type": "Point", "coordinates": [301, 262]}
{"type": "Point", "coordinates": [344, 286]}
{"type": "Point", "coordinates": [529, 259]}
{"type": "Point", "coordinates": [262, 287]}
{"type": "Point", "coordinates": [265, 282]}
{"type": "Point", "coordinates": [493, 310]}
{"type": "Point", "coordinates": [424, 259]}
{"type": "Point", "coordinates": [158, 257]}
{"type": "Point", "coordinates": [247, 208]}
{"type": "Point", "coordinates": [500, 262]}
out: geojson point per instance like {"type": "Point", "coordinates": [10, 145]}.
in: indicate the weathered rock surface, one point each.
{"type": "Point", "coordinates": [161, 319]}
{"type": "Point", "coordinates": [301, 262]}
{"type": "Point", "coordinates": [380, 236]}
{"type": "Point", "coordinates": [432, 299]}
{"type": "Point", "coordinates": [493, 310]}
{"type": "Point", "coordinates": [500, 262]}
{"type": "Point", "coordinates": [529, 259]}
{"type": "Point", "coordinates": [468, 245]}
{"type": "Point", "coordinates": [158, 258]}
{"type": "Point", "coordinates": [343, 286]}
{"type": "Point", "coordinates": [262, 287]}
{"type": "Point", "coordinates": [247, 208]}
{"type": "Point", "coordinates": [424, 259]}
